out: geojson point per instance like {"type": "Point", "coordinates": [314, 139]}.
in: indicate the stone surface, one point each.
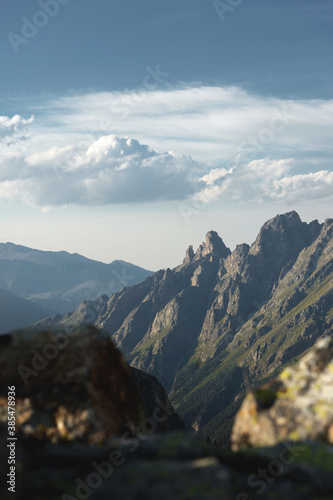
{"type": "Point", "coordinates": [213, 246]}
{"type": "Point", "coordinates": [297, 405]}
{"type": "Point", "coordinates": [76, 386]}
{"type": "Point", "coordinates": [189, 255]}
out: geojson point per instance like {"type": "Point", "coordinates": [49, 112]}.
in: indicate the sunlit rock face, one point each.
{"type": "Point", "coordinates": [297, 405]}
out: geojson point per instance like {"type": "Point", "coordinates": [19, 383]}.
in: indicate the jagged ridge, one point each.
{"type": "Point", "coordinates": [222, 321]}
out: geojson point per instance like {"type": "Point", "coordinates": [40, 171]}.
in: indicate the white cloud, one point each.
{"type": "Point", "coordinates": [52, 157]}
{"type": "Point", "coordinates": [209, 123]}
{"type": "Point", "coordinates": [115, 170]}
{"type": "Point", "coordinates": [215, 174]}
{"type": "Point", "coordinates": [315, 185]}
{"type": "Point", "coordinates": [111, 170]}
{"type": "Point", "coordinates": [229, 144]}
{"type": "Point", "coordinates": [13, 126]}
{"type": "Point", "coordinates": [266, 180]}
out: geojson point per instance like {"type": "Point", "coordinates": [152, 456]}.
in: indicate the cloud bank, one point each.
{"type": "Point", "coordinates": [208, 123]}
{"type": "Point", "coordinates": [111, 170]}
{"type": "Point", "coordinates": [266, 180]}
{"type": "Point", "coordinates": [92, 149]}
{"type": "Point", "coordinates": [117, 170]}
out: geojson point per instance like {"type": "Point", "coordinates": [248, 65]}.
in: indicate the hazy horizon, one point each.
{"type": "Point", "coordinates": [178, 253]}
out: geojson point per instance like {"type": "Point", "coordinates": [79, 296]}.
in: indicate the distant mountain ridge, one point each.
{"type": "Point", "coordinates": [18, 313]}
{"type": "Point", "coordinates": [10, 251]}
{"type": "Point", "coordinates": [60, 281]}
{"type": "Point", "coordinates": [223, 321]}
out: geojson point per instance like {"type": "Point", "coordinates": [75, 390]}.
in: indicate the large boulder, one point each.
{"type": "Point", "coordinates": [296, 406]}
{"type": "Point", "coordinates": [76, 386]}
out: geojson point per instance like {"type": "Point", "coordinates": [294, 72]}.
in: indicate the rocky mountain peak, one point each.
{"type": "Point", "coordinates": [189, 255]}
{"type": "Point", "coordinates": [213, 245]}
{"type": "Point", "coordinates": [280, 223]}
{"type": "Point", "coordinates": [291, 218]}
{"type": "Point", "coordinates": [285, 234]}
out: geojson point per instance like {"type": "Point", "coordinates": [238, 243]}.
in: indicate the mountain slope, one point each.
{"type": "Point", "coordinates": [223, 321]}
{"type": "Point", "coordinates": [18, 313]}
{"type": "Point", "coordinates": [151, 321]}
{"type": "Point", "coordinates": [59, 280]}
{"type": "Point", "coordinates": [299, 309]}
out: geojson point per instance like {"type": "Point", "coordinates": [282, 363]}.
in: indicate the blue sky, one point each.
{"type": "Point", "coordinates": [265, 45]}
{"type": "Point", "coordinates": [129, 129]}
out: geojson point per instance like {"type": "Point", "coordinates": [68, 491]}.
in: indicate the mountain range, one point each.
{"type": "Point", "coordinates": [18, 313]}
{"type": "Point", "coordinates": [60, 281]}
{"type": "Point", "coordinates": [223, 321]}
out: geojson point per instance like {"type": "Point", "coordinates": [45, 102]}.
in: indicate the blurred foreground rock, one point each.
{"type": "Point", "coordinates": [83, 434]}
{"type": "Point", "coordinates": [296, 406]}
{"type": "Point", "coordinates": [175, 466]}
{"type": "Point", "coordinates": [77, 386]}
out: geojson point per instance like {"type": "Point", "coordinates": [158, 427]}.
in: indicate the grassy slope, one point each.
{"type": "Point", "coordinates": [215, 384]}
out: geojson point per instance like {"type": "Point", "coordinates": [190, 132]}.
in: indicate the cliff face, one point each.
{"type": "Point", "coordinates": [222, 321]}
{"type": "Point", "coordinates": [158, 411]}
{"type": "Point", "coordinates": [267, 311]}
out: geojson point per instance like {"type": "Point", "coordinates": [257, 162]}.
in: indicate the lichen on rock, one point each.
{"type": "Point", "coordinates": [297, 405]}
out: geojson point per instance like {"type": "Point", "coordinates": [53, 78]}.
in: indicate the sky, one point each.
{"type": "Point", "coordinates": [129, 129]}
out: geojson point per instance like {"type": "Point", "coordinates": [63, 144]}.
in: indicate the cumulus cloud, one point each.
{"type": "Point", "coordinates": [111, 170]}
{"type": "Point", "coordinates": [266, 180]}
{"type": "Point", "coordinates": [115, 170]}
{"type": "Point", "coordinates": [315, 185]}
